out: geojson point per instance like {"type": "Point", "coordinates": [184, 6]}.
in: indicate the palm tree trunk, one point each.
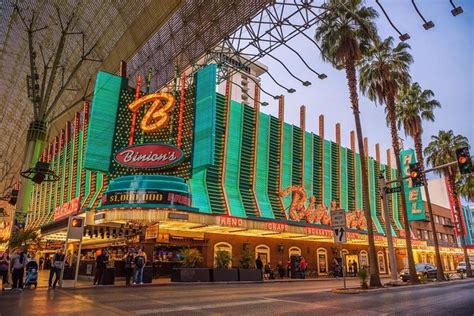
{"type": "Point", "coordinates": [406, 223]}
{"type": "Point", "coordinates": [457, 208]}
{"type": "Point", "coordinates": [419, 157]}
{"type": "Point", "coordinates": [352, 82]}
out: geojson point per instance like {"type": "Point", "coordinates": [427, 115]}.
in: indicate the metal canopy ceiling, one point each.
{"type": "Point", "coordinates": [148, 34]}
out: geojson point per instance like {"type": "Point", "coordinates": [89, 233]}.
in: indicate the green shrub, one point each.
{"type": "Point", "coordinates": [247, 259]}
{"type": "Point", "coordinates": [223, 259]}
{"type": "Point", "coordinates": [363, 276]}
{"type": "Point", "coordinates": [423, 279]}
{"type": "Point", "coordinates": [192, 257]}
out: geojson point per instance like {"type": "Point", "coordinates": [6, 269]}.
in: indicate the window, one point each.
{"type": "Point", "coordinates": [441, 220]}
{"type": "Point", "coordinates": [436, 219]}
{"type": "Point", "coordinates": [364, 259]}
{"type": "Point", "coordinates": [223, 246]}
{"type": "Point", "coordinates": [381, 261]}
{"type": "Point", "coordinates": [264, 252]}
{"type": "Point", "coordinates": [426, 234]}
{"type": "Point", "coordinates": [445, 237]}
{"type": "Point", "coordinates": [439, 236]}
{"type": "Point", "coordinates": [448, 221]}
{"type": "Point", "coordinates": [322, 259]}
{"type": "Point", "coordinates": [419, 234]}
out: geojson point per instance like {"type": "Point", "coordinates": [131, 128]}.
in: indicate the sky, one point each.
{"type": "Point", "coordinates": [443, 62]}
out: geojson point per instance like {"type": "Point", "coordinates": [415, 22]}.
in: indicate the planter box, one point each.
{"type": "Point", "coordinates": [190, 275]}
{"type": "Point", "coordinates": [223, 275]}
{"type": "Point", "coordinates": [250, 275]}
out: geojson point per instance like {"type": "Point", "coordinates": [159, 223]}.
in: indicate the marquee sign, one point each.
{"type": "Point", "coordinates": [149, 156]}
{"type": "Point", "coordinates": [415, 208]}
{"type": "Point", "coordinates": [168, 198]}
{"type": "Point", "coordinates": [67, 209]}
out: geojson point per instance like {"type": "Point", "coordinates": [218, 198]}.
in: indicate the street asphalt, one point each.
{"type": "Point", "coordinates": [283, 298]}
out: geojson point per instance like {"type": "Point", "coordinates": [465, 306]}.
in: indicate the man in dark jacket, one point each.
{"type": "Point", "coordinates": [259, 265]}
{"type": "Point", "coordinates": [57, 263]}
{"type": "Point", "coordinates": [128, 266]}
{"type": "Point", "coordinates": [100, 266]}
{"type": "Point", "coordinates": [18, 264]}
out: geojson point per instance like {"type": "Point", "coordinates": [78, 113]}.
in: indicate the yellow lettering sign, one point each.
{"type": "Point", "coordinates": [157, 116]}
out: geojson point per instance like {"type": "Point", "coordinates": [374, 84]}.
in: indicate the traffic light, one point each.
{"type": "Point", "coordinates": [77, 222]}
{"type": "Point", "coordinates": [464, 160]}
{"type": "Point", "coordinates": [416, 175]}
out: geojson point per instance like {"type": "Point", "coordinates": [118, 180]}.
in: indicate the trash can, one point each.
{"type": "Point", "coordinates": [108, 278]}
{"type": "Point", "coordinates": [147, 274]}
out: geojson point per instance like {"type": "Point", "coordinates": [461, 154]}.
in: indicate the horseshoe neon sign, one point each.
{"type": "Point", "coordinates": [157, 116]}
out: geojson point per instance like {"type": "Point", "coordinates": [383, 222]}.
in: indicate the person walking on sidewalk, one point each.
{"type": "Point", "coordinates": [18, 264]}
{"type": "Point", "coordinates": [100, 266]}
{"type": "Point", "coordinates": [4, 266]}
{"type": "Point", "coordinates": [128, 266]}
{"type": "Point", "coordinates": [303, 266]}
{"type": "Point", "coordinates": [259, 265]}
{"type": "Point", "coordinates": [354, 268]}
{"type": "Point", "coordinates": [140, 262]}
{"type": "Point", "coordinates": [56, 266]}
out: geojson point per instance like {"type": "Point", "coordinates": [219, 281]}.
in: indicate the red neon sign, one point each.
{"type": "Point", "coordinates": [149, 156]}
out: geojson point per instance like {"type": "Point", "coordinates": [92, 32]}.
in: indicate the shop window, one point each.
{"type": "Point", "coordinates": [381, 261]}
{"type": "Point", "coordinates": [264, 252]}
{"type": "Point", "coordinates": [322, 259]}
{"type": "Point", "coordinates": [223, 246]}
{"type": "Point", "coordinates": [423, 257]}
{"type": "Point", "coordinates": [364, 259]}
{"type": "Point", "coordinates": [294, 251]}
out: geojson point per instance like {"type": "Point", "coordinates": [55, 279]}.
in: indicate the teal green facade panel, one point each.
{"type": "Point", "coordinates": [101, 129]}
{"type": "Point", "coordinates": [205, 118]}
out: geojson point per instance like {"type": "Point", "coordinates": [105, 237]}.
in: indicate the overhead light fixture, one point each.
{"type": "Point", "coordinates": [306, 83]}
{"type": "Point", "coordinates": [457, 11]}
{"type": "Point", "coordinates": [291, 90]}
{"type": "Point", "coordinates": [322, 76]}
{"type": "Point", "coordinates": [404, 37]}
{"type": "Point", "coordinates": [264, 103]}
{"type": "Point", "coordinates": [428, 25]}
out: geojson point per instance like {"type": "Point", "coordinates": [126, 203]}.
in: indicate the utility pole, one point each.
{"type": "Point", "coordinates": [388, 232]}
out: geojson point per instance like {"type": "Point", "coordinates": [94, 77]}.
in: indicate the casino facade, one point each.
{"type": "Point", "coordinates": [192, 167]}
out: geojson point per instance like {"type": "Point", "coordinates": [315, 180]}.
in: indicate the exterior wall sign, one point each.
{"type": "Point", "coordinates": [277, 227]}
{"type": "Point", "coordinates": [415, 209]}
{"type": "Point", "coordinates": [149, 156]}
{"type": "Point", "coordinates": [146, 197]}
{"type": "Point", "coordinates": [67, 209]}
{"type": "Point", "coordinates": [229, 221]}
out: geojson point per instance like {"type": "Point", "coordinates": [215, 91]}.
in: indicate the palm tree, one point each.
{"type": "Point", "coordinates": [466, 187]}
{"type": "Point", "coordinates": [413, 106]}
{"type": "Point", "coordinates": [344, 33]}
{"type": "Point", "coordinates": [383, 71]}
{"type": "Point", "coordinates": [23, 239]}
{"type": "Point", "coordinates": [441, 150]}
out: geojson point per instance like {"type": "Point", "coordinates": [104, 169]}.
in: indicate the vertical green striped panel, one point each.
{"type": "Point", "coordinates": [317, 173]}
{"type": "Point", "coordinates": [297, 163]}
{"type": "Point", "coordinates": [232, 172]}
{"type": "Point", "coordinates": [287, 161]}
{"type": "Point", "coordinates": [261, 181]}
{"type": "Point", "coordinates": [359, 203]}
{"type": "Point", "coordinates": [308, 164]}
{"type": "Point", "coordinates": [327, 173]}
{"type": "Point", "coordinates": [335, 172]}
{"type": "Point", "coordinates": [79, 163]}
{"type": "Point", "coordinates": [87, 186]}
{"type": "Point", "coordinates": [205, 117]}
{"type": "Point", "coordinates": [70, 194]}
{"type": "Point", "coordinates": [63, 173]}
{"type": "Point", "coordinates": [395, 203]}
{"type": "Point", "coordinates": [56, 183]}
{"type": "Point", "coordinates": [372, 195]}
{"type": "Point", "coordinates": [343, 172]}
{"type": "Point", "coordinates": [274, 169]}
{"type": "Point", "coordinates": [98, 184]}
{"type": "Point", "coordinates": [200, 196]}
{"type": "Point", "coordinates": [383, 169]}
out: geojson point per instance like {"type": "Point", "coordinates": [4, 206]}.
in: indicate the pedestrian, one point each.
{"type": "Point", "coordinates": [41, 263]}
{"type": "Point", "coordinates": [128, 266]}
{"type": "Point", "coordinates": [100, 266]}
{"type": "Point", "coordinates": [57, 263]}
{"type": "Point", "coordinates": [18, 264]}
{"type": "Point", "coordinates": [140, 262]}
{"type": "Point", "coordinates": [354, 267]}
{"type": "Point", "coordinates": [259, 265]}
{"type": "Point", "coordinates": [281, 270]}
{"type": "Point", "coordinates": [350, 268]}
{"type": "Point", "coordinates": [268, 271]}
{"type": "Point", "coordinates": [335, 268]}
{"type": "Point", "coordinates": [303, 266]}
{"type": "Point", "coordinates": [288, 269]}
{"type": "Point", "coordinates": [4, 266]}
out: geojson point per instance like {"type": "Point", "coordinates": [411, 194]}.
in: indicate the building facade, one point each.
{"type": "Point", "coordinates": [195, 168]}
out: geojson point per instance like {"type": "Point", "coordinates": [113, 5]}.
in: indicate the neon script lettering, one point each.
{"type": "Point", "coordinates": [157, 116]}
{"type": "Point", "coordinates": [132, 156]}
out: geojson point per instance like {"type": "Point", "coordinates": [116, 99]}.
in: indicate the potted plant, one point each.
{"type": "Point", "coordinates": [223, 271]}
{"type": "Point", "coordinates": [189, 270]}
{"type": "Point", "coordinates": [363, 276]}
{"type": "Point", "coordinates": [247, 270]}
